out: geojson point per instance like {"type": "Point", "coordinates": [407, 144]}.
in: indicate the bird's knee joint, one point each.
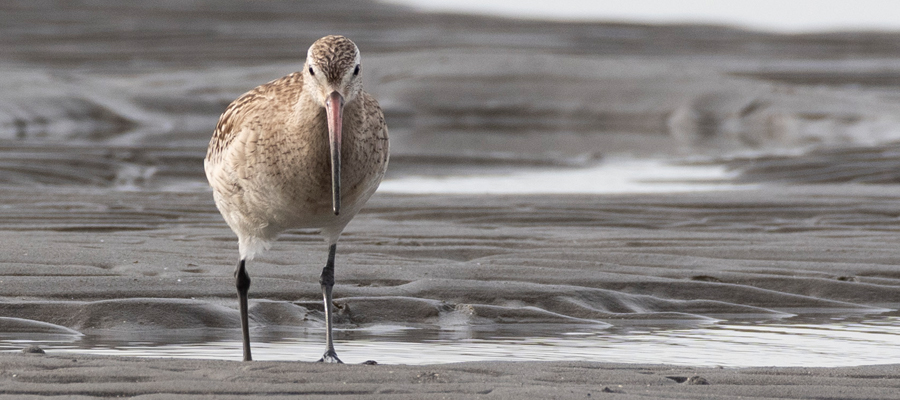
{"type": "Point", "coordinates": [242, 281]}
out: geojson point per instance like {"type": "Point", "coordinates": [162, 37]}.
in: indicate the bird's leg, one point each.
{"type": "Point", "coordinates": [242, 281]}
{"type": "Point", "coordinates": [327, 282]}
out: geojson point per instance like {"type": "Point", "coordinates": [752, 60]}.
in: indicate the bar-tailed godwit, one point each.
{"type": "Point", "coordinates": [303, 151]}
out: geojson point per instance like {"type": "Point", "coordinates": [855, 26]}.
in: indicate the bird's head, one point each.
{"type": "Point", "coordinates": [332, 66]}
{"type": "Point", "coordinates": [331, 76]}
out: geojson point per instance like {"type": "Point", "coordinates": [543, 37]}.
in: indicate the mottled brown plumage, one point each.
{"type": "Point", "coordinates": [336, 52]}
{"type": "Point", "coordinates": [269, 160]}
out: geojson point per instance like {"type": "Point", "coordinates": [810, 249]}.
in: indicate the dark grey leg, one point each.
{"type": "Point", "coordinates": [242, 281]}
{"type": "Point", "coordinates": [327, 282]}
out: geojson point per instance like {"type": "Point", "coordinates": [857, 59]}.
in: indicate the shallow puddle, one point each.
{"type": "Point", "coordinates": [613, 177]}
{"type": "Point", "coordinates": [839, 342]}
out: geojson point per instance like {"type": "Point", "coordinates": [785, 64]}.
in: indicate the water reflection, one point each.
{"type": "Point", "coordinates": [836, 342]}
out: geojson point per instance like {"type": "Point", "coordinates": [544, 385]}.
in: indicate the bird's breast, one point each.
{"type": "Point", "coordinates": [294, 166]}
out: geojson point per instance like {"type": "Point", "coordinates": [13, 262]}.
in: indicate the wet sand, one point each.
{"type": "Point", "coordinates": [29, 376]}
{"type": "Point", "coordinates": [765, 252]}
{"type": "Point", "coordinates": [95, 260]}
{"type": "Point", "coordinates": [106, 224]}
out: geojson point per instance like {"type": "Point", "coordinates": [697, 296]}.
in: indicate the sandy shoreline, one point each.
{"type": "Point", "coordinates": [106, 260]}
{"type": "Point", "coordinates": [91, 259]}
{"type": "Point", "coordinates": [25, 375]}
{"type": "Point", "coordinates": [106, 224]}
{"type": "Point", "coordinates": [138, 244]}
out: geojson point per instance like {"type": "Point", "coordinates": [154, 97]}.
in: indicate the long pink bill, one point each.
{"type": "Point", "coordinates": [334, 108]}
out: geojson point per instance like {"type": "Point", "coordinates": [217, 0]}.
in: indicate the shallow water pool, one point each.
{"type": "Point", "coordinates": [616, 176]}
{"type": "Point", "coordinates": [839, 341]}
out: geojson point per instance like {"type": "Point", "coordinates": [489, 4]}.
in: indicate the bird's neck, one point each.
{"type": "Point", "coordinates": [308, 111]}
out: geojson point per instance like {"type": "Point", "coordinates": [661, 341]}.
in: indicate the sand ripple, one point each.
{"type": "Point", "coordinates": [121, 260]}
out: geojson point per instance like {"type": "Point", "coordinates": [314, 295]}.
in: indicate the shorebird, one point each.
{"type": "Point", "coordinates": [303, 151]}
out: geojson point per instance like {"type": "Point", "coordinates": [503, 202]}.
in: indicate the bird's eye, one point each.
{"type": "Point", "coordinates": [311, 72]}
{"type": "Point", "coordinates": [356, 71]}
